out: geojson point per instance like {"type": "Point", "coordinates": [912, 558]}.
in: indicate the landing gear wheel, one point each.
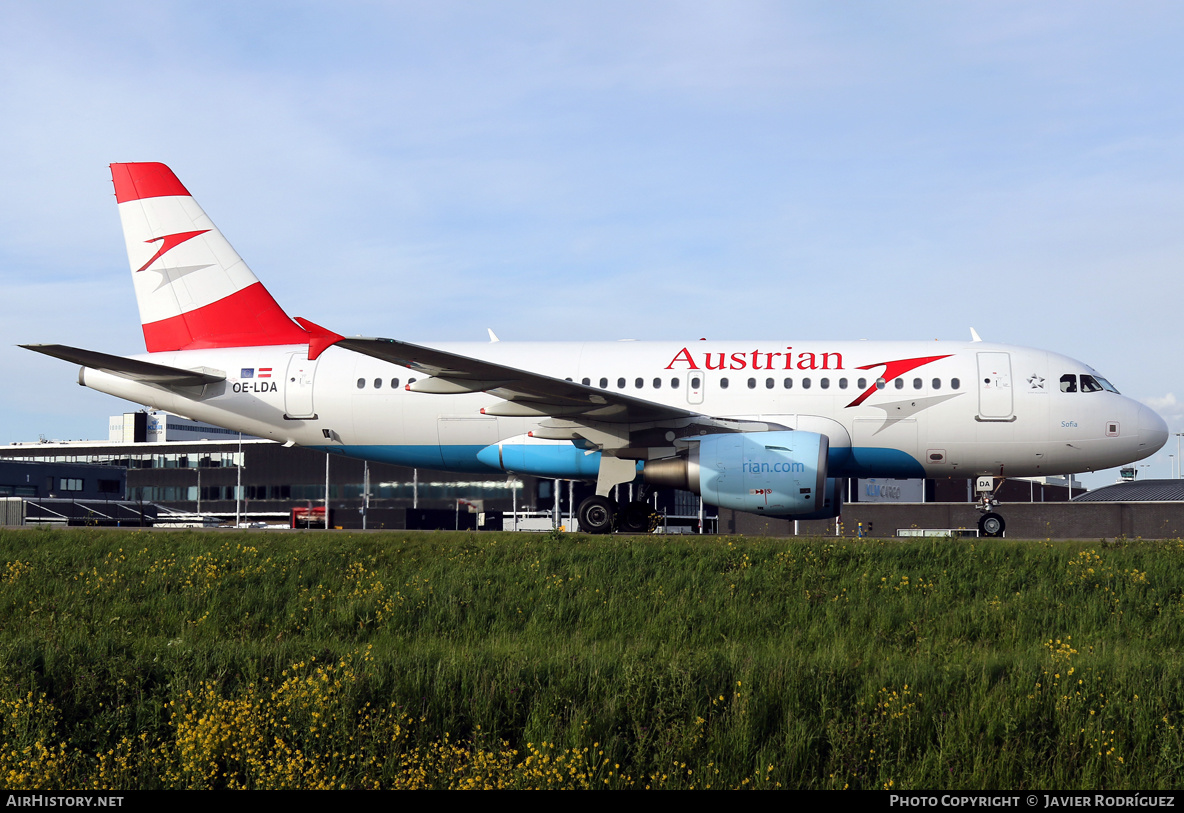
{"type": "Point", "coordinates": [991, 525]}
{"type": "Point", "coordinates": [636, 518]}
{"type": "Point", "coordinates": [596, 515]}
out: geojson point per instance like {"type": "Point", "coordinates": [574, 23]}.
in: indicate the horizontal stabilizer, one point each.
{"type": "Point", "coordinates": [144, 371]}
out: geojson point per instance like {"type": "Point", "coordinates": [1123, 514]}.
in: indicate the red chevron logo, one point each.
{"type": "Point", "coordinates": [167, 243]}
{"type": "Point", "coordinates": [892, 369]}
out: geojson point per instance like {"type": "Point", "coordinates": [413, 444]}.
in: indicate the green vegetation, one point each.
{"type": "Point", "coordinates": [402, 659]}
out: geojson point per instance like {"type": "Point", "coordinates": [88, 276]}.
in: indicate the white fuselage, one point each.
{"type": "Point", "coordinates": [941, 408]}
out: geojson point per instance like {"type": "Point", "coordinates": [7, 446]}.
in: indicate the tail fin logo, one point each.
{"type": "Point", "coordinates": [168, 243]}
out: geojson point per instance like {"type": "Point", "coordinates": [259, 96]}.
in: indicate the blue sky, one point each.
{"type": "Point", "coordinates": [606, 170]}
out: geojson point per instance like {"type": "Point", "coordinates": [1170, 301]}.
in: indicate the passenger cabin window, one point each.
{"type": "Point", "coordinates": [842, 383]}
{"type": "Point", "coordinates": [861, 383]}
{"type": "Point", "coordinates": [955, 383]}
{"type": "Point", "coordinates": [620, 383]}
{"type": "Point", "coordinates": [361, 383]}
{"type": "Point", "coordinates": [805, 383]}
{"type": "Point", "coordinates": [787, 383]}
{"type": "Point", "coordinates": [937, 383]}
{"type": "Point", "coordinates": [639, 383]}
{"type": "Point", "coordinates": [394, 383]}
{"type": "Point", "coordinates": [604, 383]}
{"type": "Point", "coordinates": [657, 383]}
{"type": "Point", "coordinates": [824, 383]}
{"type": "Point", "coordinates": [769, 383]}
{"type": "Point", "coordinates": [378, 383]}
{"type": "Point", "coordinates": [696, 383]}
{"type": "Point", "coordinates": [674, 383]}
{"type": "Point", "coordinates": [585, 381]}
{"type": "Point", "coordinates": [723, 383]}
{"type": "Point", "coordinates": [752, 383]}
{"type": "Point", "coordinates": [916, 383]}
{"type": "Point", "coordinates": [900, 383]}
{"type": "Point", "coordinates": [1068, 383]}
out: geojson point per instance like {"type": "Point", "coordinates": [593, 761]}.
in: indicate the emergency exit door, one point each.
{"type": "Point", "coordinates": [298, 383]}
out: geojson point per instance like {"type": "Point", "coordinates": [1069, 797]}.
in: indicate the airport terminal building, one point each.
{"type": "Point", "coordinates": [156, 468]}
{"type": "Point", "coordinates": [187, 467]}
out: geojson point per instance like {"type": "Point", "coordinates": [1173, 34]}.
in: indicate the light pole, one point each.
{"type": "Point", "coordinates": [238, 486]}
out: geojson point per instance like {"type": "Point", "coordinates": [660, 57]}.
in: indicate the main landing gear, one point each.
{"type": "Point", "coordinates": [599, 515]}
{"type": "Point", "coordinates": [596, 515]}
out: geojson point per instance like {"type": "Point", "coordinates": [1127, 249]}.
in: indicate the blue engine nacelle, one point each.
{"type": "Point", "coordinates": [779, 473]}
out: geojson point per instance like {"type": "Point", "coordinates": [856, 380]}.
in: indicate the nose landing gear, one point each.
{"type": "Point", "coordinates": [990, 523]}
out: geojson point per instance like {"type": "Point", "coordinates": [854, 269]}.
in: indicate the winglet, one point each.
{"type": "Point", "coordinates": [319, 338]}
{"type": "Point", "coordinates": [974, 337]}
{"type": "Point", "coordinates": [492, 336]}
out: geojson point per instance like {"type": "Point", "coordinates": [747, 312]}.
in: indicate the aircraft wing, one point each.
{"type": "Point", "coordinates": [136, 370]}
{"type": "Point", "coordinates": [527, 394]}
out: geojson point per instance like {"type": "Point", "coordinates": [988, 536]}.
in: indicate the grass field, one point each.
{"type": "Point", "coordinates": [402, 659]}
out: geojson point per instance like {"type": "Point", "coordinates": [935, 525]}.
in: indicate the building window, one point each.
{"type": "Point", "coordinates": [69, 484]}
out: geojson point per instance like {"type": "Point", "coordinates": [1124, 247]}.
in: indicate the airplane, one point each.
{"type": "Point", "coordinates": [769, 427]}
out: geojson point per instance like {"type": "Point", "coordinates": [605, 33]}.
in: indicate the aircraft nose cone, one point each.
{"type": "Point", "coordinates": [1153, 431]}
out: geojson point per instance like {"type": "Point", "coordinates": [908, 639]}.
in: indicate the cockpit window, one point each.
{"type": "Point", "coordinates": [1069, 383]}
{"type": "Point", "coordinates": [1106, 385]}
{"type": "Point", "coordinates": [1088, 384]}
